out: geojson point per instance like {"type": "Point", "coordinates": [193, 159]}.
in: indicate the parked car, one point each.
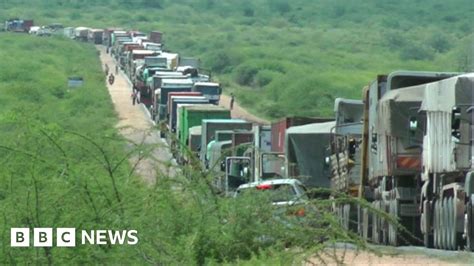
{"type": "Point", "coordinates": [282, 192]}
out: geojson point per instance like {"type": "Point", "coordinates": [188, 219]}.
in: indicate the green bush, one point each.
{"type": "Point", "coordinates": [245, 74]}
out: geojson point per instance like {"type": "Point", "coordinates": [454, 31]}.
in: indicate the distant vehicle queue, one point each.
{"type": "Point", "coordinates": [407, 147]}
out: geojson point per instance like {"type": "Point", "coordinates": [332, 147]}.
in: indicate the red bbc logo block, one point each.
{"type": "Point", "coordinates": [43, 237]}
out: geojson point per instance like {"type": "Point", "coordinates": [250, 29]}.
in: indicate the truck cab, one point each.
{"type": "Point", "coordinates": [212, 91]}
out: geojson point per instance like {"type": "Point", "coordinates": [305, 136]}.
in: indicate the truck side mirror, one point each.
{"type": "Point", "coordinates": [245, 172]}
{"type": "Point", "coordinates": [456, 122]}
{"type": "Point", "coordinates": [413, 125]}
{"type": "Point", "coordinates": [327, 161]}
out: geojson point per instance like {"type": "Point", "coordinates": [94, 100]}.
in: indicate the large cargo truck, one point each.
{"type": "Point", "coordinates": [167, 86]}
{"type": "Point", "coordinates": [345, 156]}
{"type": "Point", "coordinates": [211, 90]}
{"type": "Point", "coordinates": [192, 116]}
{"type": "Point", "coordinates": [173, 108]}
{"type": "Point", "coordinates": [146, 69]}
{"type": "Point", "coordinates": [209, 128]}
{"type": "Point", "coordinates": [18, 25]}
{"type": "Point", "coordinates": [447, 179]}
{"type": "Point", "coordinates": [95, 36]}
{"type": "Point", "coordinates": [156, 37]}
{"type": "Point", "coordinates": [391, 159]}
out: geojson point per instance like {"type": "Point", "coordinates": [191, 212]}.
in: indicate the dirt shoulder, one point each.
{"type": "Point", "coordinates": [137, 128]}
{"type": "Point", "coordinates": [239, 112]}
{"type": "Point", "coordinates": [386, 255]}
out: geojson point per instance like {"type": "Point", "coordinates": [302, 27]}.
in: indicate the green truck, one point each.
{"type": "Point", "coordinates": [209, 128]}
{"type": "Point", "coordinates": [191, 116]}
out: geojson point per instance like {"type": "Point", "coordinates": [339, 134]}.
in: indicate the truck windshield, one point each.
{"type": "Point", "coordinates": [273, 165]}
{"type": "Point", "coordinates": [274, 192]}
{"type": "Point", "coordinates": [208, 90]}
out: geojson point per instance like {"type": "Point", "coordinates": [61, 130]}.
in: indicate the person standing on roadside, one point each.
{"type": "Point", "coordinates": [232, 99]}
{"type": "Point", "coordinates": [134, 96]}
{"type": "Point", "coordinates": [116, 69]}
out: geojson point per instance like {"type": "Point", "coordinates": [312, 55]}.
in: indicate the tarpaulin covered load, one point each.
{"type": "Point", "coordinates": [395, 109]}
{"type": "Point", "coordinates": [306, 148]}
{"type": "Point", "coordinates": [442, 152]}
{"type": "Point", "coordinates": [400, 147]}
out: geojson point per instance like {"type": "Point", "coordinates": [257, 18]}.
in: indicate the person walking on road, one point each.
{"type": "Point", "coordinates": [134, 96]}
{"type": "Point", "coordinates": [116, 69]}
{"type": "Point", "coordinates": [232, 99]}
{"type": "Point", "coordinates": [106, 70]}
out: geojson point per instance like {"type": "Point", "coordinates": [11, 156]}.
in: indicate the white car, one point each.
{"type": "Point", "coordinates": [282, 192]}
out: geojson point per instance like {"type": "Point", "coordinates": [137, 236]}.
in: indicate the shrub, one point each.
{"type": "Point", "coordinates": [245, 75]}
{"type": "Point", "coordinates": [416, 51]}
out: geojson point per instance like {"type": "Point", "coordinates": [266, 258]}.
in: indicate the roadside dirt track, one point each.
{"type": "Point", "coordinates": [239, 112]}
{"type": "Point", "coordinates": [137, 128]}
{"type": "Point", "coordinates": [394, 256]}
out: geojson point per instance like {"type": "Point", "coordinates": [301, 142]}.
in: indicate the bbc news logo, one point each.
{"type": "Point", "coordinates": [66, 237]}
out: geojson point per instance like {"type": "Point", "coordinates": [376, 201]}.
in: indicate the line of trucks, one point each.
{"type": "Point", "coordinates": [406, 148]}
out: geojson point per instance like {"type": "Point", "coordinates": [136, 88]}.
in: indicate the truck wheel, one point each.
{"type": "Point", "coordinates": [436, 225]}
{"type": "Point", "coordinates": [346, 209]}
{"type": "Point", "coordinates": [392, 228]}
{"type": "Point", "coordinates": [375, 225]}
{"type": "Point", "coordinates": [444, 224]}
{"type": "Point", "coordinates": [470, 224]}
{"type": "Point", "coordinates": [428, 214]}
{"type": "Point", "coordinates": [452, 224]}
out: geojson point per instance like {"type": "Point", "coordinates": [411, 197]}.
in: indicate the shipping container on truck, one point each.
{"type": "Point", "coordinates": [179, 117]}
{"type": "Point", "coordinates": [95, 36]}
{"type": "Point", "coordinates": [147, 68]}
{"type": "Point", "coordinates": [151, 46]}
{"type": "Point", "coordinates": [172, 59]}
{"type": "Point", "coordinates": [181, 93]}
{"type": "Point", "coordinates": [81, 33]}
{"type": "Point", "coordinates": [153, 83]}
{"type": "Point", "coordinates": [279, 128]}
{"type": "Point", "coordinates": [210, 126]}
{"type": "Point", "coordinates": [68, 32]}
{"type": "Point", "coordinates": [107, 37]}
{"type": "Point", "coordinates": [173, 106]}
{"type": "Point", "coordinates": [19, 25]}
{"type": "Point", "coordinates": [156, 37]}
{"type": "Point", "coordinates": [170, 85]}
{"type": "Point", "coordinates": [134, 57]}
{"type": "Point", "coordinates": [192, 116]}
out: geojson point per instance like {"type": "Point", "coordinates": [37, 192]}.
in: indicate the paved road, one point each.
{"type": "Point", "coordinates": [136, 126]}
